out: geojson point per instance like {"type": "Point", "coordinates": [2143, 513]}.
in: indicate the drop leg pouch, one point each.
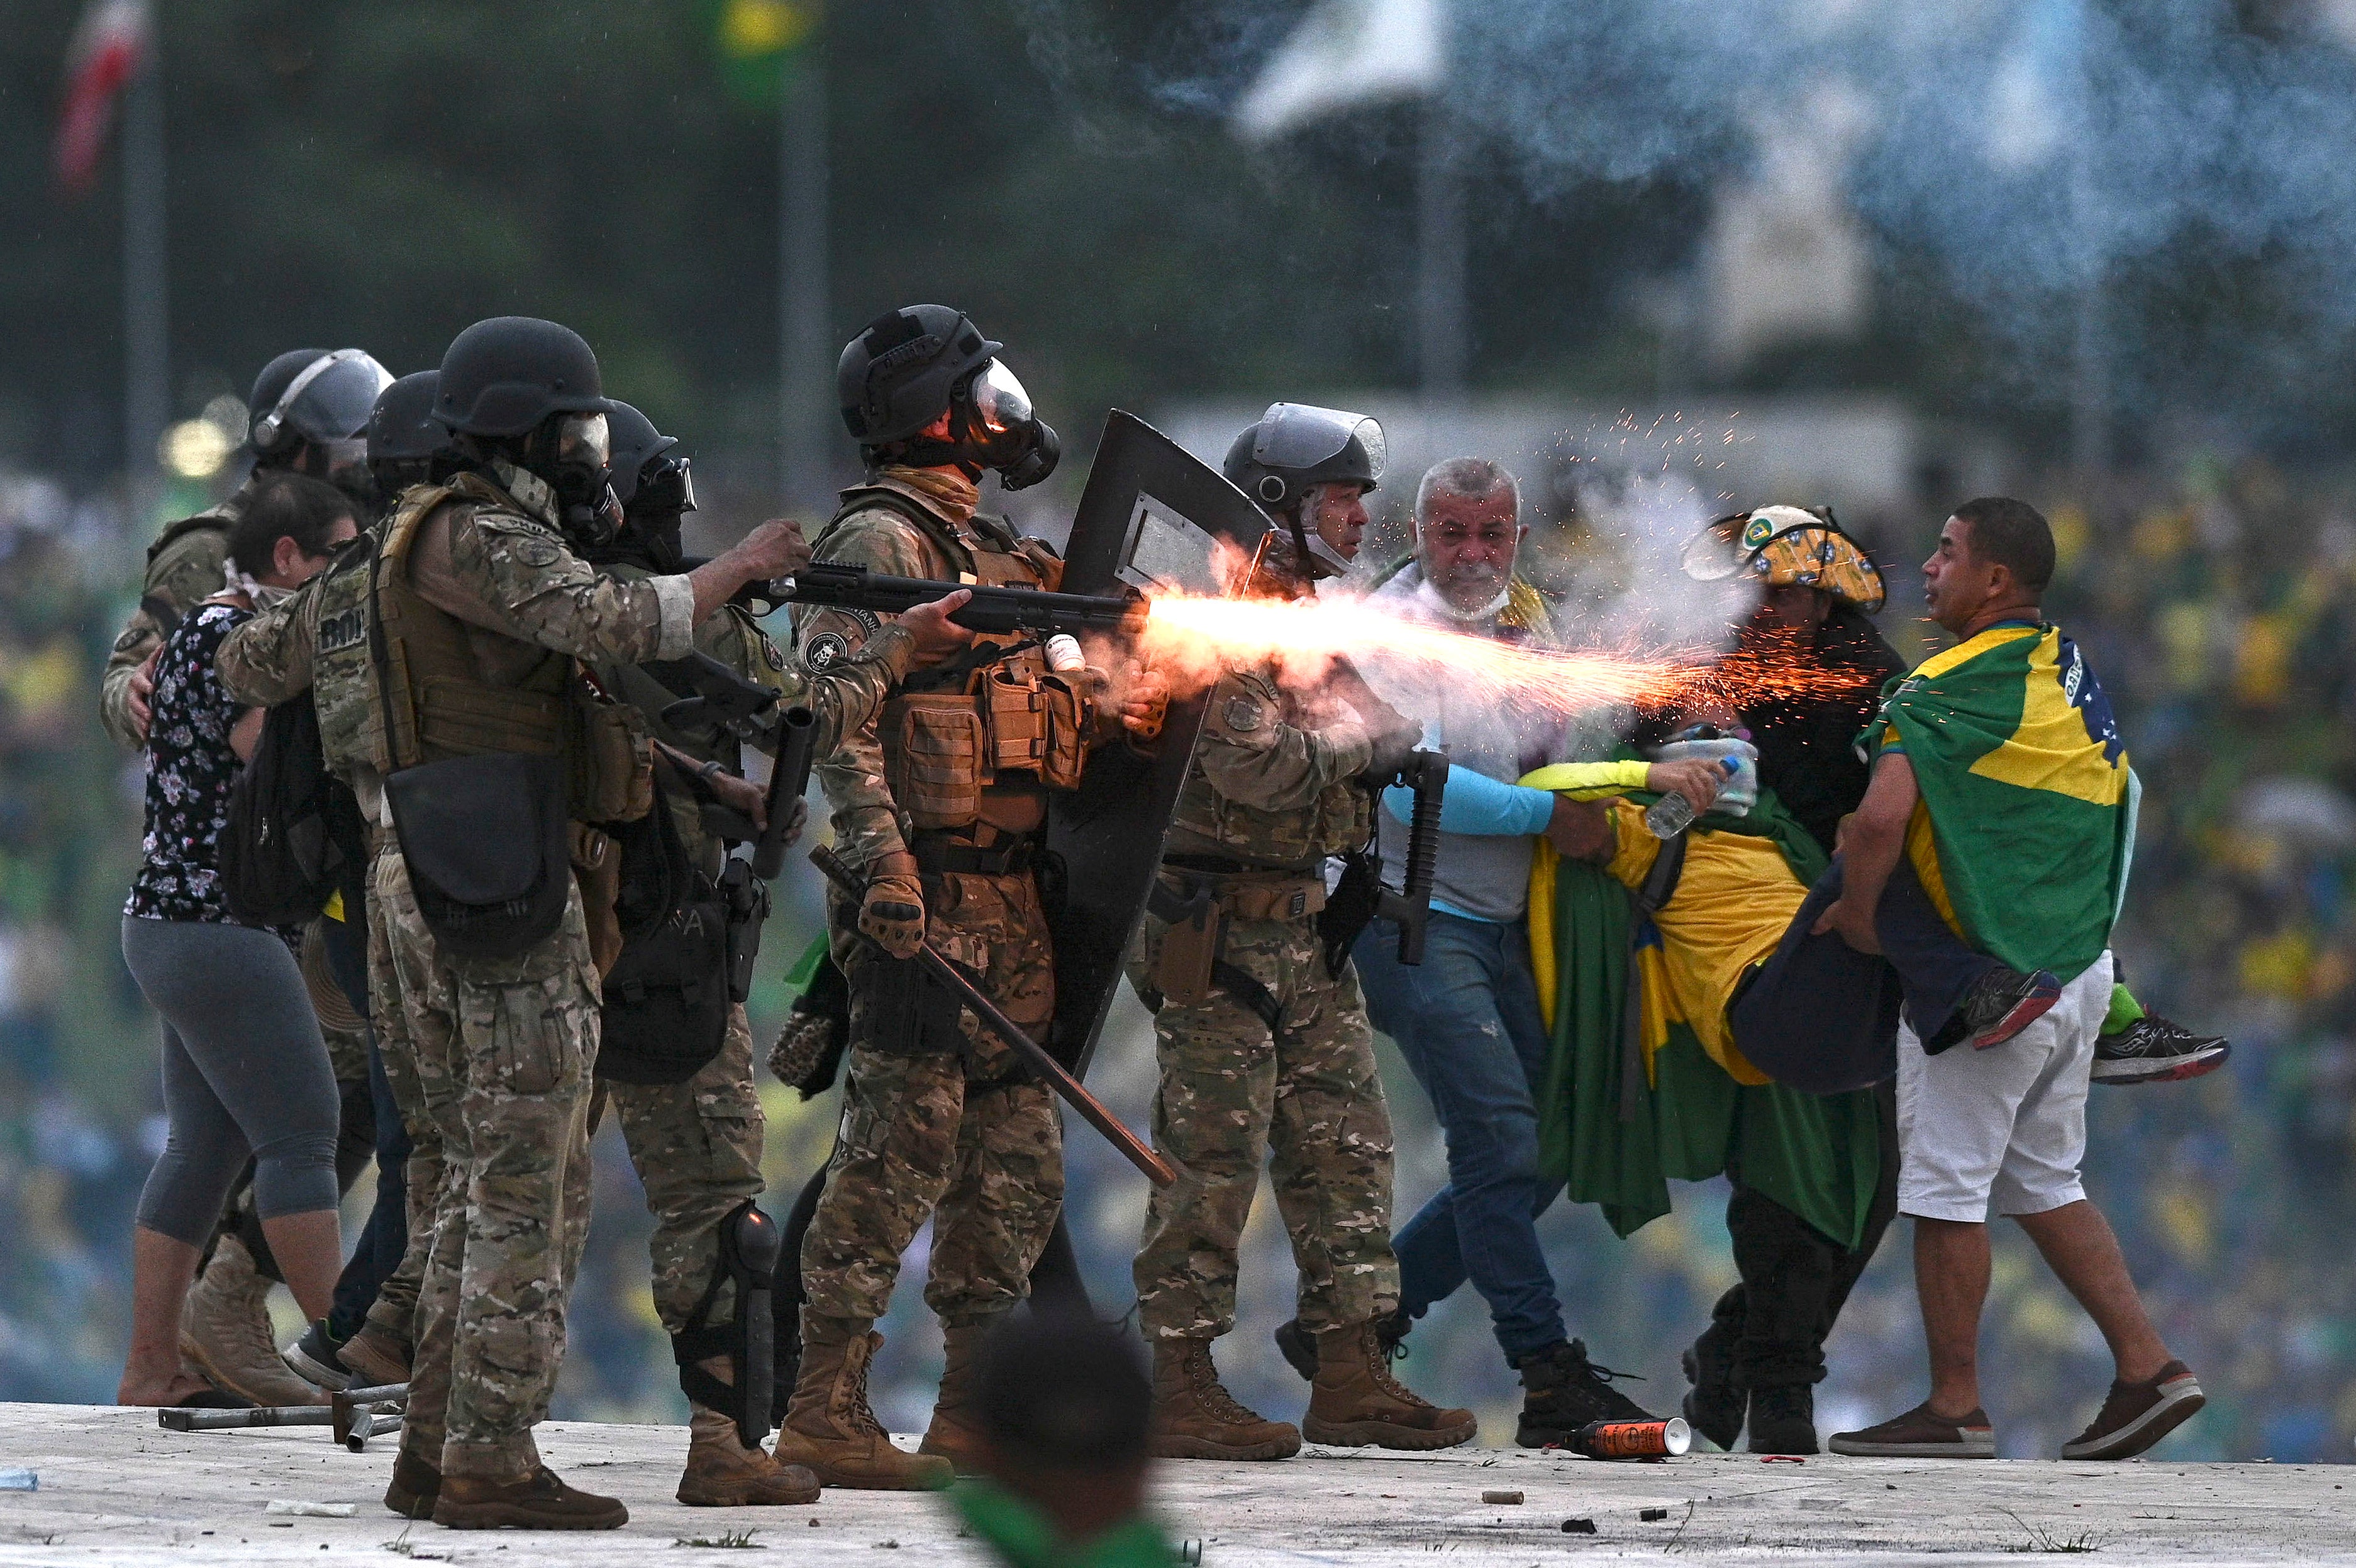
{"type": "Point", "coordinates": [484, 840]}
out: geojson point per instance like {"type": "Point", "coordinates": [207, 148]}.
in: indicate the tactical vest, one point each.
{"type": "Point", "coordinates": [996, 717]}
{"type": "Point", "coordinates": [434, 704]}
{"type": "Point", "coordinates": [1339, 820]}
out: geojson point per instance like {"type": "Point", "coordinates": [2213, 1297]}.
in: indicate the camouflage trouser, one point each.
{"type": "Point", "coordinates": [394, 1310]}
{"type": "Point", "coordinates": [962, 1138]}
{"type": "Point", "coordinates": [503, 1051]}
{"type": "Point", "coordinates": [1310, 1096]}
{"type": "Point", "coordinates": [697, 1146]}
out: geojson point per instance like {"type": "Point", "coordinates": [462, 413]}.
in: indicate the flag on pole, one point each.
{"type": "Point", "coordinates": [1344, 53]}
{"type": "Point", "coordinates": [109, 47]}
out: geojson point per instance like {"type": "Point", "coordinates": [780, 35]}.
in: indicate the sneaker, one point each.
{"type": "Point", "coordinates": [2154, 1050]}
{"type": "Point", "coordinates": [1921, 1433]}
{"type": "Point", "coordinates": [2003, 1002]}
{"type": "Point", "coordinates": [1713, 1406]}
{"type": "Point", "coordinates": [1563, 1390]}
{"type": "Point", "coordinates": [314, 1356]}
{"type": "Point", "coordinates": [2137, 1415]}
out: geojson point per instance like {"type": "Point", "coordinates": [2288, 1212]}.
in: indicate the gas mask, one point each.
{"type": "Point", "coordinates": [665, 495]}
{"type": "Point", "coordinates": [994, 426]}
{"type": "Point", "coordinates": [573, 452]}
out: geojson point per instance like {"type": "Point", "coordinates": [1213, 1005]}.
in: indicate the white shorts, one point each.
{"type": "Point", "coordinates": [2006, 1123]}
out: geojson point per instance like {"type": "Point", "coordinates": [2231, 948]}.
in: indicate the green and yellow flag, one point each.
{"type": "Point", "coordinates": [2027, 825]}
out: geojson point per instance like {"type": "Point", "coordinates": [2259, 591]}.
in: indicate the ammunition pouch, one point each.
{"type": "Point", "coordinates": [750, 1245]}
{"type": "Point", "coordinates": [942, 748]}
{"type": "Point", "coordinates": [486, 844]}
{"type": "Point", "coordinates": [613, 768]}
{"type": "Point", "coordinates": [934, 749]}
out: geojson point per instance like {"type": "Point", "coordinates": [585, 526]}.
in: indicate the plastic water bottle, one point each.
{"type": "Point", "coordinates": [1668, 816]}
{"type": "Point", "coordinates": [1673, 813]}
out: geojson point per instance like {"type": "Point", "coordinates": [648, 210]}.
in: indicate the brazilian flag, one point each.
{"type": "Point", "coordinates": [2027, 825]}
{"type": "Point", "coordinates": [1817, 1156]}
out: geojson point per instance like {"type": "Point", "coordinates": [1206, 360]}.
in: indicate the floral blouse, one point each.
{"type": "Point", "coordinates": [189, 771]}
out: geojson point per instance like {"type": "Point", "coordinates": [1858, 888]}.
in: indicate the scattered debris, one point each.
{"type": "Point", "coordinates": [1782, 1459]}
{"type": "Point", "coordinates": [1501, 1496]}
{"type": "Point", "coordinates": [1190, 1552]}
{"type": "Point", "coordinates": [739, 1540]}
{"type": "Point", "coordinates": [20, 1480]}
{"type": "Point", "coordinates": [2039, 1541]}
{"type": "Point", "coordinates": [302, 1509]}
{"type": "Point", "coordinates": [1578, 1527]}
{"type": "Point", "coordinates": [1649, 1515]}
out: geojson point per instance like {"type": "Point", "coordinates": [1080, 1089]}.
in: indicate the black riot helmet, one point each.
{"type": "Point", "coordinates": [405, 442]}
{"type": "Point", "coordinates": [1292, 449]}
{"type": "Point", "coordinates": [530, 390]}
{"type": "Point", "coordinates": [654, 486]}
{"type": "Point", "coordinates": [310, 413]}
{"type": "Point", "coordinates": [907, 368]}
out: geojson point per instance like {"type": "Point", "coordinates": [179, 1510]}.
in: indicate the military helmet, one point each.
{"type": "Point", "coordinates": [315, 395]}
{"type": "Point", "coordinates": [504, 376]}
{"type": "Point", "coordinates": [901, 372]}
{"type": "Point", "coordinates": [1295, 446]}
{"type": "Point", "coordinates": [636, 445]}
{"type": "Point", "coordinates": [401, 428]}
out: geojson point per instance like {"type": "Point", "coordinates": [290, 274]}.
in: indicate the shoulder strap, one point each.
{"type": "Point", "coordinates": [930, 526]}
{"type": "Point", "coordinates": [1661, 882]}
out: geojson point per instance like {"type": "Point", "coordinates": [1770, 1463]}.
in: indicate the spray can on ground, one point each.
{"type": "Point", "coordinates": [1632, 1439]}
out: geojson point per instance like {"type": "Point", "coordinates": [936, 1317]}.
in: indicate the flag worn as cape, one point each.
{"type": "Point", "coordinates": [1817, 1156]}
{"type": "Point", "coordinates": [2027, 823]}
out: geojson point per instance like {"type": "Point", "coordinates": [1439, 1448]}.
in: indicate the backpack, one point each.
{"type": "Point", "coordinates": [294, 833]}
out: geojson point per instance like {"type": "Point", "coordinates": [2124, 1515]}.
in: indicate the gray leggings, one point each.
{"type": "Point", "coordinates": [244, 1072]}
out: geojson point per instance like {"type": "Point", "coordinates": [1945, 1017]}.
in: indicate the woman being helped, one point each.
{"type": "Point", "coordinates": [245, 1070]}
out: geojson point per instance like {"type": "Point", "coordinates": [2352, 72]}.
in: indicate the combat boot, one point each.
{"type": "Point", "coordinates": [828, 1427]}
{"type": "Point", "coordinates": [1713, 1406]}
{"type": "Point", "coordinates": [1563, 1390]}
{"type": "Point", "coordinates": [721, 1473]}
{"type": "Point", "coordinates": [1354, 1403]}
{"type": "Point", "coordinates": [1195, 1417]}
{"type": "Point", "coordinates": [540, 1501]}
{"type": "Point", "coordinates": [1784, 1420]}
{"type": "Point", "coordinates": [225, 1330]}
{"type": "Point", "coordinates": [416, 1484]}
{"type": "Point", "coordinates": [375, 1357]}
{"type": "Point", "coordinates": [956, 1431]}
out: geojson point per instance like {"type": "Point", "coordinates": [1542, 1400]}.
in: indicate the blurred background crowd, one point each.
{"type": "Point", "coordinates": [1655, 312]}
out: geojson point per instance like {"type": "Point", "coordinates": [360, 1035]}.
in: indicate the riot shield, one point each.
{"type": "Point", "coordinates": [1152, 517]}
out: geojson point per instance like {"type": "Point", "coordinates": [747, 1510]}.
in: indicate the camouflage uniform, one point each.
{"type": "Point", "coordinates": [1271, 795]}
{"type": "Point", "coordinates": [184, 565]}
{"type": "Point", "coordinates": [945, 1125]}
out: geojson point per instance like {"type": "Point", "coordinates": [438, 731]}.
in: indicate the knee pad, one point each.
{"type": "Point", "coordinates": [749, 1244]}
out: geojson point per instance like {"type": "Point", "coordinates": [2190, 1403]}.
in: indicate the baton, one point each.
{"type": "Point", "coordinates": [1034, 1056]}
{"type": "Point", "coordinates": [351, 1406]}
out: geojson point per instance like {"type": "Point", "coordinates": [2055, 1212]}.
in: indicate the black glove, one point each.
{"type": "Point", "coordinates": [1393, 744]}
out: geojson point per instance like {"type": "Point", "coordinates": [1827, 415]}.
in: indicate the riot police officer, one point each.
{"type": "Point", "coordinates": [942, 804]}
{"type": "Point", "coordinates": [310, 406]}
{"type": "Point", "coordinates": [1265, 1048]}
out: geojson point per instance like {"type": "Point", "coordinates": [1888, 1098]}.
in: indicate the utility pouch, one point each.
{"type": "Point", "coordinates": [902, 1012]}
{"type": "Point", "coordinates": [613, 769]}
{"type": "Point", "coordinates": [1349, 908]}
{"type": "Point", "coordinates": [484, 840]}
{"type": "Point", "coordinates": [747, 898]}
{"type": "Point", "coordinates": [1189, 947]}
{"type": "Point", "coordinates": [665, 1003]}
{"type": "Point", "coordinates": [935, 757]}
{"type": "Point", "coordinates": [597, 867]}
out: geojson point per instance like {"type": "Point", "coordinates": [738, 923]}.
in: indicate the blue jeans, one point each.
{"type": "Point", "coordinates": [1467, 1020]}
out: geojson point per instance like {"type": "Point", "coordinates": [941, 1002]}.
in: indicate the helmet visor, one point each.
{"type": "Point", "coordinates": [1304, 439]}
{"type": "Point", "coordinates": [583, 440]}
{"type": "Point", "coordinates": [1002, 408]}
{"type": "Point", "coordinates": [667, 485]}
{"type": "Point", "coordinates": [332, 398]}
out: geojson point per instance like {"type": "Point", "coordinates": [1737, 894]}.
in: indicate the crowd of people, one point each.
{"type": "Point", "coordinates": [518, 910]}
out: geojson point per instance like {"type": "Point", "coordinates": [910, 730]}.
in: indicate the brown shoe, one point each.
{"type": "Point", "coordinates": [1195, 1417]}
{"type": "Point", "coordinates": [1354, 1403]}
{"type": "Point", "coordinates": [2137, 1415]}
{"type": "Point", "coordinates": [375, 1357]}
{"type": "Point", "coordinates": [415, 1486]}
{"type": "Point", "coordinates": [1921, 1433]}
{"type": "Point", "coordinates": [721, 1473]}
{"type": "Point", "coordinates": [955, 1434]}
{"type": "Point", "coordinates": [831, 1430]}
{"type": "Point", "coordinates": [540, 1501]}
{"type": "Point", "coordinates": [225, 1330]}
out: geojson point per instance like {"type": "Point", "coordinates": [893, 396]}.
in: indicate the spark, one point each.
{"type": "Point", "coordinates": [1194, 640]}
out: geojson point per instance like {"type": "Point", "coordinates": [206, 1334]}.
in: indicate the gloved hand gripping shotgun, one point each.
{"type": "Point", "coordinates": [997, 611]}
